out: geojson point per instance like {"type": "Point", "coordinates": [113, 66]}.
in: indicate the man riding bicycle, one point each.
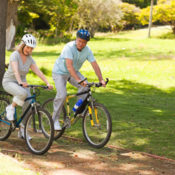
{"type": "Point", "coordinates": [66, 68]}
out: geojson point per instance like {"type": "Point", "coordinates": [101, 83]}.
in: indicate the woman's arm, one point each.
{"type": "Point", "coordinates": [37, 71]}
{"type": "Point", "coordinates": [14, 65]}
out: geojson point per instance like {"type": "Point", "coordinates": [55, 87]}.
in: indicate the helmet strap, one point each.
{"type": "Point", "coordinates": [23, 50]}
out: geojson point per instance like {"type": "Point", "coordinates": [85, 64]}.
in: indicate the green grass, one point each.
{"type": "Point", "coordinates": [140, 95]}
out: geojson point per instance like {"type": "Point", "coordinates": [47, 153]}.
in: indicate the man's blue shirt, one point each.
{"type": "Point", "coordinates": [70, 51]}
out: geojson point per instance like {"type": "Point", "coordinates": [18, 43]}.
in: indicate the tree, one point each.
{"type": "Point", "coordinates": [92, 14]}
{"type": "Point", "coordinates": [150, 19]}
{"type": "Point", "coordinates": [130, 15]}
{"type": "Point", "coordinates": [139, 3]}
{"type": "Point", "coordinates": [11, 24]}
{"type": "Point", "coordinates": [163, 13]}
{"type": "Point", "coordinates": [3, 15]}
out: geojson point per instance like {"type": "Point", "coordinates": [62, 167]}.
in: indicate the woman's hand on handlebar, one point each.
{"type": "Point", "coordinates": [24, 84]}
{"type": "Point", "coordinates": [50, 87]}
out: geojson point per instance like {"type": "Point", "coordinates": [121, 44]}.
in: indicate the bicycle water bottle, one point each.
{"type": "Point", "coordinates": [77, 105]}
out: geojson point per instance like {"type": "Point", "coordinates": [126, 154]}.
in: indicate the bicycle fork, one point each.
{"type": "Point", "coordinates": [90, 114]}
{"type": "Point", "coordinates": [35, 111]}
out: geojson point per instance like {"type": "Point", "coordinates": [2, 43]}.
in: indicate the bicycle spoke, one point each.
{"type": "Point", "coordinates": [5, 126]}
{"type": "Point", "coordinates": [97, 126]}
{"type": "Point", "coordinates": [39, 132]}
{"type": "Point", "coordinates": [48, 105]}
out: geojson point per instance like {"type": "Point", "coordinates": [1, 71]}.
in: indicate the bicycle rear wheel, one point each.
{"type": "Point", "coordinates": [48, 105]}
{"type": "Point", "coordinates": [5, 95]}
{"type": "Point", "coordinates": [98, 133]}
{"type": "Point", "coordinates": [39, 131]}
{"type": "Point", "coordinates": [5, 125]}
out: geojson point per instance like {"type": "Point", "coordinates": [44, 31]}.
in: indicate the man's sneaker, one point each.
{"type": "Point", "coordinates": [10, 110]}
{"type": "Point", "coordinates": [21, 133]}
{"type": "Point", "coordinates": [57, 125]}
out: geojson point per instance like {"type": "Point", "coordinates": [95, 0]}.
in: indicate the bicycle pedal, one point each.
{"type": "Point", "coordinates": [67, 123]}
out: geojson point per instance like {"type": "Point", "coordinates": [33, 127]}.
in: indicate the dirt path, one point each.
{"type": "Point", "coordinates": [69, 157]}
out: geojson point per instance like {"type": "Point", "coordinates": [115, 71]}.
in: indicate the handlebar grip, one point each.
{"type": "Point", "coordinates": [100, 84]}
{"type": "Point", "coordinates": [107, 80]}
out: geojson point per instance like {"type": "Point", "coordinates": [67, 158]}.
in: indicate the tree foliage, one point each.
{"type": "Point", "coordinates": [139, 3]}
{"type": "Point", "coordinates": [93, 14]}
{"type": "Point", "coordinates": [51, 15]}
{"type": "Point", "coordinates": [130, 15]}
{"type": "Point", "coordinates": [163, 13]}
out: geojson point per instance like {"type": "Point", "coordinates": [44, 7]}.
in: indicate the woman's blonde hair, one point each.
{"type": "Point", "coordinates": [20, 47]}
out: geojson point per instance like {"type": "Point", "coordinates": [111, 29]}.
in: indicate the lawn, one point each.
{"type": "Point", "coordinates": [140, 95]}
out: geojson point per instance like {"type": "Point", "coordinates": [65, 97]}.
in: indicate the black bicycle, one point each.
{"type": "Point", "coordinates": [96, 120]}
{"type": "Point", "coordinates": [38, 128]}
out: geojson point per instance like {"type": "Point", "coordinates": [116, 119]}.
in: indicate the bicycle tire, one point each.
{"type": "Point", "coordinates": [48, 105]}
{"type": "Point", "coordinates": [98, 135]}
{"type": "Point", "coordinates": [35, 137]}
{"type": "Point", "coordinates": [5, 95]}
{"type": "Point", "coordinates": [5, 125]}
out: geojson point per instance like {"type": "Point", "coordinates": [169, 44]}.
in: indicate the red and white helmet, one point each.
{"type": "Point", "coordinates": [29, 40]}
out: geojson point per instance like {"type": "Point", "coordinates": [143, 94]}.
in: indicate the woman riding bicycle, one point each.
{"type": "Point", "coordinates": [14, 80]}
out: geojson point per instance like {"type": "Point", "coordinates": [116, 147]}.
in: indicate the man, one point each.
{"type": "Point", "coordinates": [66, 68]}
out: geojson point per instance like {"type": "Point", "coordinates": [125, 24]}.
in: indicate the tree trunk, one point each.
{"type": "Point", "coordinates": [11, 24]}
{"type": "Point", "coordinates": [150, 18]}
{"type": "Point", "coordinates": [3, 15]}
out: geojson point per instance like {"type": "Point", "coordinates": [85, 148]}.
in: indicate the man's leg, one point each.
{"type": "Point", "coordinates": [60, 84]}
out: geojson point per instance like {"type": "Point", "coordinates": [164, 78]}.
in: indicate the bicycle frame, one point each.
{"type": "Point", "coordinates": [16, 122]}
{"type": "Point", "coordinates": [86, 102]}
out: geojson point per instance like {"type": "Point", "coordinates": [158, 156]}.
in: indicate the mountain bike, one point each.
{"type": "Point", "coordinates": [96, 120]}
{"type": "Point", "coordinates": [38, 127]}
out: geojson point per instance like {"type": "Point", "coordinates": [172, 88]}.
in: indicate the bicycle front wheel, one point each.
{"type": "Point", "coordinates": [5, 125]}
{"type": "Point", "coordinates": [39, 131]}
{"type": "Point", "coordinates": [97, 127]}
{"type": "Point", "coordinates": [48, 105]}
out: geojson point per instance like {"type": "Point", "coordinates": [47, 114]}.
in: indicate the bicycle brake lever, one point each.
{"type": "Point", "coordinates": [107, 80]}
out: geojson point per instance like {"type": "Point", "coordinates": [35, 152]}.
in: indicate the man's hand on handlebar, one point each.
{"type": "Point", "coordinates": [103, 83]}
{"type": "Point", "coordinates": [83, 82]}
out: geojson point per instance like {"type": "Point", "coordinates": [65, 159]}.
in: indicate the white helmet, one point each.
{"type": "Point", "coordinates": [29, 40]}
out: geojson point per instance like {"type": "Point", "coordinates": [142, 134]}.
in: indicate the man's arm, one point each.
{"type": "Point", "coordinates": [70, 68]}
{"type": "Point", "coordinates": [98, 72]}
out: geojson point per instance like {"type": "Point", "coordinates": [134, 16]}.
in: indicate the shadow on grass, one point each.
{"type": "Point", "coordinates": [143, 117]}
{"type": "Point", "coordinates": [45, 54]}
{"type": "Point", "coordinates": [110, 39]}
{"type": "Point", "coordinates": [135, 54]}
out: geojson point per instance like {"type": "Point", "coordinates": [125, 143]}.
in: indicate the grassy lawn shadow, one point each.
{"type": "Point", "coordinates": [143, 117]}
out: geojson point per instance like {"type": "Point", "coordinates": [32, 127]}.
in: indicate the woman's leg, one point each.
{"type": "Point", "coordinates": [19, 95]}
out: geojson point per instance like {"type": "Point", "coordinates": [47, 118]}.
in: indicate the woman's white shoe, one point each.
{"type": "Point", "coordinates": [10, 110]}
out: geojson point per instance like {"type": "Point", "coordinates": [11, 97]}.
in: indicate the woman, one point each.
{"type": "Point", "coordinates": [14, 80]}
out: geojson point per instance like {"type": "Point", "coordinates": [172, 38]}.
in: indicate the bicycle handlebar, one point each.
{"type": "Point", "coordinates": [36, 86]}
{"type": "Point", "coordinates": [97, 84]}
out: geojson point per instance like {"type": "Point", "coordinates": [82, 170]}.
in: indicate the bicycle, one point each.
{"type": "Point", "coordinates": [96, 120]}
{"type": "Point", "coordinates": [38, 127]}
